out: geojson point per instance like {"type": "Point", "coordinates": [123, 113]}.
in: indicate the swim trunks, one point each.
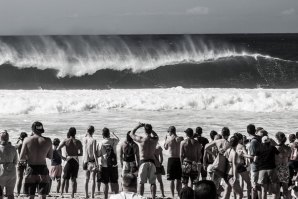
{"type": "Point", "coordinates": [36, 177]}
{"type": "Point", "coordinates": [189, 170]}
{"type": "Point", "coordinates": [56, 172]}
{"type": "Point", "coordinates": [108, 175]}
{"type": "Point", "coordinates": [283, 173]}
{"type": "Point", "coordinates": [71, 169]}
{"type": "Point", "coordinates": [147, 171]}
{"type": "Point", "coordinates": [174, 170]}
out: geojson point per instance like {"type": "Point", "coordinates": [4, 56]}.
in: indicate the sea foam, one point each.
{"type": "Point", "coordinates": [67, 101]}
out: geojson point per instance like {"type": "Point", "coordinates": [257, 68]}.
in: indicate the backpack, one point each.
{"type": "Point", "coordinates": [111, 156]}
{"type": "Point", "coordinates": [129, 155]}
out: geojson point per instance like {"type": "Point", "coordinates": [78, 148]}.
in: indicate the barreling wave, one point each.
{"type": "Point", "coordinates": [72, 101]}
{"type": "Point", "coordinates": [70, 61]}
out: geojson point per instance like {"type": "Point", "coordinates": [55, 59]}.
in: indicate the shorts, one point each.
{"type": "Point", "coordinates": [283, 173]}
{"type": "Point", "coordinates": [36, 177]}
{"type": "Point", "coordinates": [190, 170]}
{"type": "Point", "coordinates": [71, 169]}
{"type": "Point", "coordinates": [56, 172]}
{"type": "Point", "coordinates": [174, 170]}
{"type": "Point", "coordinates": [108, 175]}
{"type": "Point", "coordinates": [129, 167]}
{"type": "Point", "coordinates": [8, 181]}
{"type": "Point", "coordinates": [147, 171]}
{"type": "Point", "coordinates": [91, 166]}
{"type": "Point", "coordinates": [21, 168]}
{"type": "Point", "coordinates": [254, 176]}
{"type": "Point", "coordinates": [267, 177]}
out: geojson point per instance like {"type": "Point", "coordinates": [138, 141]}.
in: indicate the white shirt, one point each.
{"type": "Point", "coordinates": [102, 152]}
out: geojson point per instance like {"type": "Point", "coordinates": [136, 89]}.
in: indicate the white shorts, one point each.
{"type": "Point", "coordinates": [147, 171]}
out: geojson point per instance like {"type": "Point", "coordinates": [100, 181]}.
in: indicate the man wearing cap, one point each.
{"type": "Point", "coordinates": [35, 150]}
{"type": "Point", "coordinates": [266, 166]}
{"type": "Point", "coordinates": [8, 161]}
{"type": "Point", "coordinates": [174, 170]}
{"type": "Point", "coordinates": [190, 155]}
{"type": "Point", "coordinates": [109, 168]}
{"type": "Point", "coordinates": [90, 160]}
{"type": "Point", "coordinates": [74, 149]}
{"type": "Point", "coordinates": [147, 168]}
{"type": "Point", "coordinates": [203, 141]}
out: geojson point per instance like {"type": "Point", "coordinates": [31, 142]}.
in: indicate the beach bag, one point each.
{"type": "Point", "coordinates": [220, 165]}
{"type": "Point", "coordinates": [111, 156]}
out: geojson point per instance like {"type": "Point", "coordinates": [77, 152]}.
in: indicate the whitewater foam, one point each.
{"type": "Point", "coordinates": [80, 56]}
{"type": "Point", "coordinates": [46, 101]}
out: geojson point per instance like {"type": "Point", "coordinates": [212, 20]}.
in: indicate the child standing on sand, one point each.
{"type": "Point", "coordinates": [56, 167]}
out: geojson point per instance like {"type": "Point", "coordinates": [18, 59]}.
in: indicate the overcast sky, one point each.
{"type": "Point", "coordinates": [39, 17]}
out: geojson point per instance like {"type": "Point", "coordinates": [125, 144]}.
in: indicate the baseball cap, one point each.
{"type": "Point", "coordinates": [37, 127]}
{"type": "Point", "coordinates": [4, 137]}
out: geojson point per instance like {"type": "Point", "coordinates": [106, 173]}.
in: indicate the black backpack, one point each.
{"type": "Point", "coordinates": [111, 156]}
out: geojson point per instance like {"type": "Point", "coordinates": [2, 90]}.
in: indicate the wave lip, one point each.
{"type": "Point", "coordinates": [81, 55]}
{"type": "Point", "coordinates": [71, 101]}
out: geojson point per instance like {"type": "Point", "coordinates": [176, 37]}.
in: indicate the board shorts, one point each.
{"type": "Point", "coordinates": [174, 170]}
{"type": "Point", "coordinates": [56, 172]}
{"type": "Point", "coordinates": [147, 172]}
{"type": "Point", "coordinates": [36, 177]}
{"type": "Point", "coordinates": [190, 170]}
{"type": "Point", "coordinates": [267, 177]}
{"type": "Point", "coordinates": [71, 169]}
{"type": "Point", "coordinates": [91, 165]}
{"type": "Point", "coordinates": [283, 173]}
{"type": "Point", "coordinates": [129, 167]}
{"type": "Point", "coordinates": [108, 175]}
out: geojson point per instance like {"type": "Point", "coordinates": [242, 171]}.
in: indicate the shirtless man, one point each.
{"type": "Point", "coordinates": [74, 148]}
{"type": "Point", "coordinates": [35, 150]}
{"type": "Point", "coordinates": [174, 170]}
{"type": "Point", "coordinates": [221, 145]}
{"type": "Point", "coordinates": [190, 155]}
{"type": "Point", "coordinates": [90, 160]}
{"type": "Point", "coordinates": [147, 168]}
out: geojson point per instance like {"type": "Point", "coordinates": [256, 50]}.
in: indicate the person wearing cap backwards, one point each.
{"type": "Point", "coordinates": [190, 155]}
{"type": "Point", "coordinates": [203, 141]}
{"type": "Point", "coordinates": [21, 166]}
{"type": "Point", "coordinates": [174, 170]}
{"type": "Point", "coordinates": [147, 168]}
{"type": "Point", "coordinates": [265, 158]}
{"type": "Point", "coordinates": [74, 148]}
{"type": "Point", "coordinates": [109, 168]}
{"type": "Point", "coordinates": [90, 160]}
{"type": "Point", "coordinates": [8, 161]}
{"type": "Point", "coordinates": [35, 150]}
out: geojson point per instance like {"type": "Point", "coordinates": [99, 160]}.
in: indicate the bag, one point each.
{"type": "Point", "coordinates": [111, 156]}
{"type": "Point", "coordinates": [221, 164]}
{"type": "Point", "coordinates": [129, 155]}
{"type": "Point", "coordinates": [162, 169]}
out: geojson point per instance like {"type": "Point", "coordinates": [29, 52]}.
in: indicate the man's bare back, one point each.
{"type": "Point", "coordinates": [172, 143]}
{"type": "Point", "coordinates": [147, 147]}
{"type": "Point", "coordinates": [36, 149]}
{"type": "Point", "coordinates": [73, 147]}
{"type": "Point", "coordinates": [191, 150]}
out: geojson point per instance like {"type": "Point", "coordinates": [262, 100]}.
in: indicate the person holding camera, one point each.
{"type": "Point", "coordinates": [147, 169]}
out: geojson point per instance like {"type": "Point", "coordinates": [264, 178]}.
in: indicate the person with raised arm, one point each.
{"type": "Point", "coordinates": [147, 167]}
{"type": "Point", "coordinates": [35, 150]}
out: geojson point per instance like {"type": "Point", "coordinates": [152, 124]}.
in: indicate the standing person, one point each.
{"type": "Point", "coordinates": [109, 168]}
{"type": "Point", "coordinates": [232, 171]}
{"type": "Point", "coordinates": [253, 148]}
{"type": "Point", "coordinates": [221, 146]}
{"type": "Point", "coordinates": [74, 149]}
{"type": "Point", "coordinates": [174, 169]}
{"type": "Point", "coordinates": [147, 168]}
{"type": "Point", "coordinates": [90, 163]}
{"type": "Point", "coordinates": [21, 166]}
{"type": "Point", "coordinates": [159, 168]}
{"type": "Point", "coordinates": [190, 155]}
{"type": "Point", "coordinates": [203, 141]}
{"type": "Point", "coordinates": [35, 150]}
{"type": "Point", "coordinates": [266, 167]}
{"type": "Point", "coordinates": [129, 155]}
{"type": "Point", "coordinates": [293, 162]}
{"type": "Point", "coordinates": [282, 162]}
{"type": "Point", "coordinates": [56, 167]}
{"type": "Point", "coordinates": [8, 161]}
